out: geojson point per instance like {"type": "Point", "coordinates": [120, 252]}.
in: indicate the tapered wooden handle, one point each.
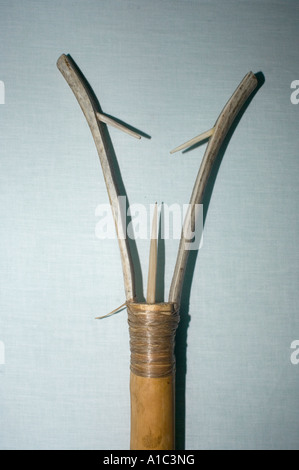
{"type": "Point", "coordinates": [152, 413]}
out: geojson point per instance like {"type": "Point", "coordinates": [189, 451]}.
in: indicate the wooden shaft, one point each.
{"type": "Point", "coordinates": [152, 413]}
{"type": "Point", "coordinates": [152, 330]}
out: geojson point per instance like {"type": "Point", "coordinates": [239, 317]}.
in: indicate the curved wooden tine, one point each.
{"type": "Point", "coordinates": [220, 130]}
{"type": "Point", "coordinates": [68, 69]}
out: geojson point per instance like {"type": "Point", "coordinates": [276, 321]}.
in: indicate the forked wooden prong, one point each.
{"type": "Point", "coordinates": [108, 120]}
{"type": "Point", "coordinates": [73, 77]}
{"type": "Point", "coordinates": [221, 128]}
{"type": "Point", "coordinates": [195, 140]}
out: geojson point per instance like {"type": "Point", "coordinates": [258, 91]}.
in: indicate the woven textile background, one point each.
{"type": "Point", "coordinates": [166, 68]}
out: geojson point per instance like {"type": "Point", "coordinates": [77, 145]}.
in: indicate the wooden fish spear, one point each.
{"type": "Point", "coordinates": [152, 325]}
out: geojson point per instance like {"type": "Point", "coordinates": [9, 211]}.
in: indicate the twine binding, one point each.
{"type": "Point", "coordinates": [152, 329]}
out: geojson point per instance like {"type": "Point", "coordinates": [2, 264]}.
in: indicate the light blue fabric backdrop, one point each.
{"type": "Point", "coordinates": [166, 68]}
